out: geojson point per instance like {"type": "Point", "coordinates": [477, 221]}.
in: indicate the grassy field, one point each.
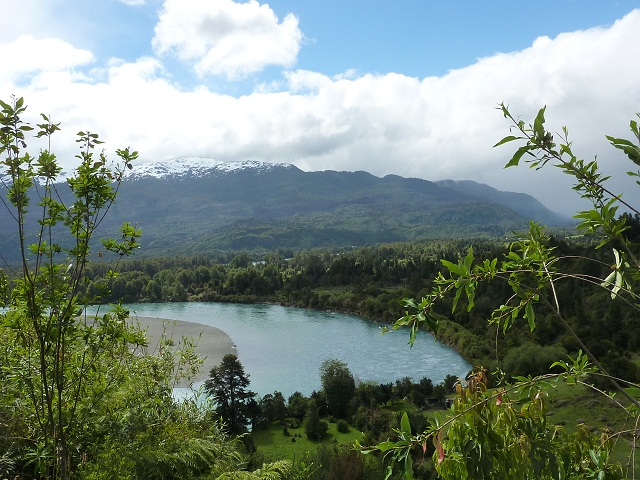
{"type": "Point", "coordinates": [572, 405]}
{"type": "Point", "coordinates": [568, 405]}
{"type": "Point", "coordinates": [274, 445]}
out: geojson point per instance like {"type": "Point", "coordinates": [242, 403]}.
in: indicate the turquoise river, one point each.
{"type": "Point", "coordinates": [282, 348]}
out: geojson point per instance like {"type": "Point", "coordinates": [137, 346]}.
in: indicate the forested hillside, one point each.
{"type": "Point", "coordinates": [218, 207]}
{"type": "Point", "coordinates": [371, 282]}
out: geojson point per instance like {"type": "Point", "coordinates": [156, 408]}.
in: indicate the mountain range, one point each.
{"type": "Point", "coordinates": [195, 206]}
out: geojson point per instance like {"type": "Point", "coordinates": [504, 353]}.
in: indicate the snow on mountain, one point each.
{"type": "Point", "coordinates": [197, 167]}
{"type": "Point", "coordinates": [181, 168]}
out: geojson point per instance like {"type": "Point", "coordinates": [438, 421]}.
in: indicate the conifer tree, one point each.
{"type": "Point", "coordinates": [227, 385]}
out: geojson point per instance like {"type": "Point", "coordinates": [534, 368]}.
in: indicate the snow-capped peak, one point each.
{"type": "Point", "coordinates": [181, 167]}
{"type": "Point", "coordinates": [197, 167]}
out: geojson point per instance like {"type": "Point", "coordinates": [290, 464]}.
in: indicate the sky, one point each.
{"type": "Point", "coordinates": [404, 87]}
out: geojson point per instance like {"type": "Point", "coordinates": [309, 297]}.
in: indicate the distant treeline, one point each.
{"type": "Point", "coordinates": [370, 282]}
{"type": "Point", "coordinates": [365, 281]}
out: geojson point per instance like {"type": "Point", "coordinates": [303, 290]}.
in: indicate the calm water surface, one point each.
{"type": "Point", "coordinates": [282, 348]}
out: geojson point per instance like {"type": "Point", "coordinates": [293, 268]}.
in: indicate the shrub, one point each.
{"type": "Point", "coordinates": [342, 426]}
{"type": "Point", "coordinates": [532, 359]}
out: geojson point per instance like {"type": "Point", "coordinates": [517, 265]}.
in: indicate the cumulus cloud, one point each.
{"type": "Point", "coordinates": [226, 37]}
{"type": "Point", "coordinates": [27, 54]}
{"type": "Point", "coordinates": [433, 128]}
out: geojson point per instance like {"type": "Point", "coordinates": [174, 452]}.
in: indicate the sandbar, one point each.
{"type": "Point", "coordinates": [211, 343]}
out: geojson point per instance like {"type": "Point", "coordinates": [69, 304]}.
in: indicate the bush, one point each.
{"type": "Point", "coordinates": [532, 359]}
{"type": "Point", "coordinates": [314, 428]}
{"type": "Point", "coordinates": [317, 430]}
{"type": "Point", "coordinates": [344, 463]}
{"type": "Point", "coordinates": [342, 426]}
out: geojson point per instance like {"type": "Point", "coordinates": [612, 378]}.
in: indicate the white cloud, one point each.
{"type": "Point", "coordinates": [225, 37]}
{"type": "Point", "coordinates": [16, 23]}
{"type": "Point", "coordinates": [432, 128]}
{"type": "Point", "coordinates": [26, 55]}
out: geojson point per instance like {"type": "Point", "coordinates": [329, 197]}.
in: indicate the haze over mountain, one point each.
{"type": "Point", "coordinates": [197, 206]}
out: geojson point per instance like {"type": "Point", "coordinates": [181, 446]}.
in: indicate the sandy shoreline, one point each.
{"type": "Point", "coordinates": [211, 343]}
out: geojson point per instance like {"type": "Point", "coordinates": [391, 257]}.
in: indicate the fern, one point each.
{"type": "Point", "coordinates": [196, 456]}
{"type": "Point", "coordinates": [269, 471]}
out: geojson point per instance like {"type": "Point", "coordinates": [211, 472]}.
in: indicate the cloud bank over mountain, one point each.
{"type": "Point", "coordinates": [436, 127]}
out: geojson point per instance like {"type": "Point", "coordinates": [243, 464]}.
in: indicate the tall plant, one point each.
{"type": "Point", "coordinates": [49, 374]}
{"type": "Point", "coordinates": [503, 433]}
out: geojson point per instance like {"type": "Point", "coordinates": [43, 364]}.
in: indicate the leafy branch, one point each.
{"type": "Point", "coordinates": [478, 435]}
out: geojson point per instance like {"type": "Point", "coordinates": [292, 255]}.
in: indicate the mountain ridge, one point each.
{"type": "Point", "coordinates": [193, 206]}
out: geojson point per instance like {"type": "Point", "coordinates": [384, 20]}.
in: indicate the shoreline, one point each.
{"type": "Point", "coordinates": [211, 343]}
{"type": "Point", "coordinates": [204, 373]}
{"type": "Point", "coordinates": [355, 313]}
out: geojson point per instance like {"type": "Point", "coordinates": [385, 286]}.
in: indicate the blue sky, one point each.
{"type": "Point", "coordinates": [405, 87]}
{"type": "Point", "coordinates": [424, 38]}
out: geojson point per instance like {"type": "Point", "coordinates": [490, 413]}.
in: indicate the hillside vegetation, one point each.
{"type": "Point", "coordinates": [265, 207]}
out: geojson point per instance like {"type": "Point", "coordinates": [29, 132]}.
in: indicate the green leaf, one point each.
{"type": "Point", "coordinates": [389, 472]}
{"type": "Point", "coordinates": [635, 392]}
{"type": "Point", "coordinates": [515, 160]}
{"type": "Point", "coordinates": [468, 259]}
{"type": "Point", "coordinates": [409, 303]}
{"type": "Point", "coordinates": [630, 149]}
{"type": "Point", "coordinates": [408, 467]}
{"type": "Point", "coordinates": [531, 316]}
{"type": "Point", "coordinates": [456, 298]}
{"type": "Point", "coordinates": [405, 426]}
{"type": "Point", "coordinates": [433, 324]}
{"type": "Point", "coordinates": [452, 267]}
{"type": "Point", "coordinates": [413, 333]}
{"type": "Point", "coordinates": [619, 141]}
{"type": "Point", "coordinates": [507, 139]}
{"type": "Point", "coordinates": [538, 124]}
{"type": "Point", "coordinates": [386, 446]}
